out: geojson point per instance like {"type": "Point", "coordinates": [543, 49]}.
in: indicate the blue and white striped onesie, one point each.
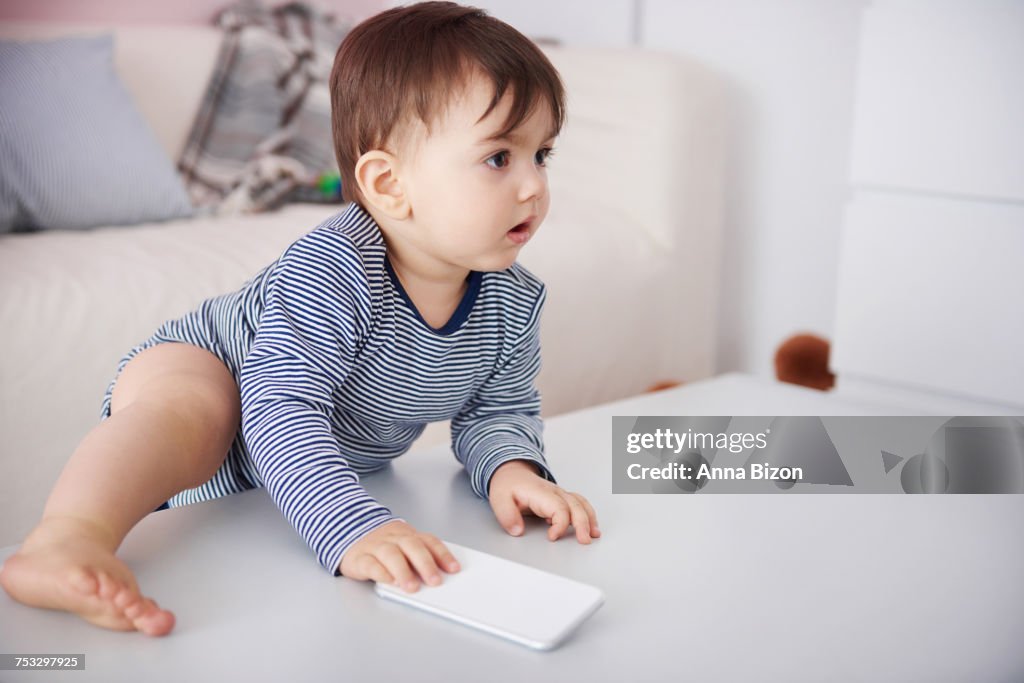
{"type": "Point", "coordinates": [339, 374]}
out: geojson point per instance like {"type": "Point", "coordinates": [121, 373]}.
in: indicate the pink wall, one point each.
{"type": "Point", "coordinates": [154, 11]}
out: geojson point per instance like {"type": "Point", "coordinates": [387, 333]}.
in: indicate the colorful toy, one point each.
{"type": "Point", "coordinates": [329, 185]}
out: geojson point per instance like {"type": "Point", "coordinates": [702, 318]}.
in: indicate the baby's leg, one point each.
{"type": "Point", "coordinates": [174, 413]}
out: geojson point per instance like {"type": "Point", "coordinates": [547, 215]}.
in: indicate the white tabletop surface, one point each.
{"type": "Point", "coordinates": [698, 587]}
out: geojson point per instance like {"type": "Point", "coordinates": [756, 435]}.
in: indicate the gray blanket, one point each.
{"type": "Point", "coordinates": [262, 135]}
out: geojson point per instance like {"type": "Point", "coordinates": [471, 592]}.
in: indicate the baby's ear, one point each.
{"type": "Point", "coordinates": [378, 182]}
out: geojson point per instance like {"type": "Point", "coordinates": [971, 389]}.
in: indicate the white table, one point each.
{"type": "Point", "coordinates": [704, 587]}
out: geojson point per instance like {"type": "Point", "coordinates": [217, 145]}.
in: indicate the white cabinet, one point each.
{"type": "Point", "coordinates": [931, 296]}
{"type": "Point", "coordinates": [940, 97]}
{"type": "Point", "coordinates": [931, 282]}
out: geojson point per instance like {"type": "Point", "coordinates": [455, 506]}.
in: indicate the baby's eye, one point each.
{"type": "Point", "coordinates": [499, 160]}
{"type": "Point", "coordinates": [542, 156]}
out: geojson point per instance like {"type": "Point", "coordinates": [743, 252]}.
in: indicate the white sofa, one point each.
{"type": "Point", "coordinates": [630, 252]}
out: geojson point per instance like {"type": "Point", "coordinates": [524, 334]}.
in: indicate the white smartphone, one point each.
{"type": "Point", "coordinates": [528, 606]}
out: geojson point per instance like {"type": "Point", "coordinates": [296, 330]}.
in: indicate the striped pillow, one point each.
{"type": "Point", "coordinates": [77, 153]}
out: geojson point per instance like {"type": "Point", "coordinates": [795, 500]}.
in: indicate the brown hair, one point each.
{"type": "Point", "coordinates": [413, 59]}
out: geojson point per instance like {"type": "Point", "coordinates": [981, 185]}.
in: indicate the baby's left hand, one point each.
{"type": "Point", "coordinates": [516, 487]}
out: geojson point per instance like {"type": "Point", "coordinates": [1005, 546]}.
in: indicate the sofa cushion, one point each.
{"type": "Point", "coordinates": [77, 153]}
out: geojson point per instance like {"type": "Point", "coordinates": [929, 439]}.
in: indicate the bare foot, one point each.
{"type": "Point", "coordinates": [68, 564]}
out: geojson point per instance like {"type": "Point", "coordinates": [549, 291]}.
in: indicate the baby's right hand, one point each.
{"type": "Point", "coordinates": [385, 554]}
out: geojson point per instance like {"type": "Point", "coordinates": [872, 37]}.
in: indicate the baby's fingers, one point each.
{"type": "Point", "coordinates": [559, 524]}
{"type": "Point", "coordinates": [591, 515]}
{"type": "Point", "coordinates": [421, 556]}
{"type": "Point", "coordinates": [580, 519]}
{"type": "Point", "coordinates": [555, 509]}
{"type": "Point", "coordinates": [374, 570]}
{"type": "Point", "coordinates": [394, 560]}
{"type": "Point", "coordinates": [363, 567]}
{"type": "Point", "coordinates": [561, 509]}
{"type": "Point", "coordinates": [444, 558]}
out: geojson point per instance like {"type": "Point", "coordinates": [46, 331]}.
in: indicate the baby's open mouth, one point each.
{"type": "Point", "coordinates": [520, 233]}
{"type": "Point", "coordinates": [524, 226]}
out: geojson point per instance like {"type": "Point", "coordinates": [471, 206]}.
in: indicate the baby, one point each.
{"type": "Point", "coordinates": [406, 308]}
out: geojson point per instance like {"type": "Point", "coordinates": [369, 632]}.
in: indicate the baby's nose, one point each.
{"type": "Point", "coordinates": [533, 185]}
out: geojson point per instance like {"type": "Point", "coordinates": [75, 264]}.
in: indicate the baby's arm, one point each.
{"type": "Point", "coordinates": [502, 421]}
{"type": "Point", "coordinates": [317, 312]}
{"type": "Point", "coordinates": [498, 437]}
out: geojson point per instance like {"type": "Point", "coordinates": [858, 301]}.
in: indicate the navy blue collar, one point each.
{"type": "Point", "coordinates": [461, 312]}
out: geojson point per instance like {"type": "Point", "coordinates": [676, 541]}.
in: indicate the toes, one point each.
{"type": "Point", "coordinates": [125, 598]}
{"type": "Point", "coordinates": [83, 581]}
{"type": "Point", "coordinates": [97, 588]}
{"type": "Point", "coordinates": [157, 622]}
{"type": "Point", "coordinates": [136, 610]}
{"type": "Point", "coordinates": [109, 586]}
{"type": "Point", "coordinates": [119, 592]}
{"type": "Point", "coordinates": [150, 619]}
{"type": "Point", "coordinates": [127, 609]}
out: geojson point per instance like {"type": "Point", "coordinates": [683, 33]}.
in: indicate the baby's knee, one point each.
{"type": "Point", "coordinates": [192, 394]}
{"type": "Point", "coordinates": [209, 409]}
{"type": "Point", "coordinates": [203, 415]}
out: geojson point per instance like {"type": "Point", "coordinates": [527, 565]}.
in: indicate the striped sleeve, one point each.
{"type": "Point", "coordinates": [502, 421]}
{"type": "Point", "coordinates": [317, 312]}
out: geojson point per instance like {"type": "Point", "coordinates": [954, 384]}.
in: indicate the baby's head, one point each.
{"type": "Point", "coordinates": [443, 118]}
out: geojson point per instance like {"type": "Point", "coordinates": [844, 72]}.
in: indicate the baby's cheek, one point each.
{"type": "Point", "coordinates": [545, 203]}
